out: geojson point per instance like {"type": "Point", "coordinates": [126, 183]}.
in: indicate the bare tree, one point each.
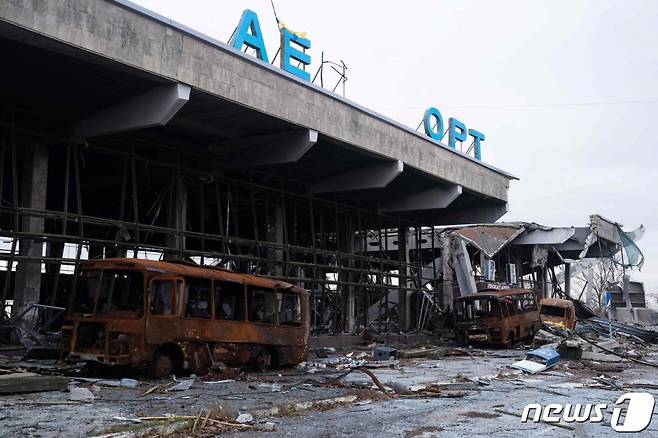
{"type": "Point", "coordinates": [596, 280]}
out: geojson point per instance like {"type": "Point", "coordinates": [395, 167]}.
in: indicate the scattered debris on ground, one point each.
{"type": "Point", "coordinates": [567, 363]}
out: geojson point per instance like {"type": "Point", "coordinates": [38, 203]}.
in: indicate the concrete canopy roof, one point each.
{"type": "Point", "coordinates": [102, 53]}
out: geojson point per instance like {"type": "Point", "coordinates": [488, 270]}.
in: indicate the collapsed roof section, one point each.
{"type": "Point", "coordinates": [602, 238]}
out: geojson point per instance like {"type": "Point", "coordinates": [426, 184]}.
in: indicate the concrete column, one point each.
{"type": "Point", "coordinates": [27, 287]}
{"type": "Point", "coordinates": [446, 256]}
{"type": "Point", "coordinates": [350, 299]}
{"type": "Point", "coordinates": [463, 269]}
{"type": "Point", "coordinates": [275, 234]}
{"type": "Point", "coordinates": [541, 284]}
{"type": "Point", "coordinates": [403, 294]}
{"type": "Point", "coordinates": [567, 279]}
{"type": "Point", "coordinates": [177, 219]}
{"type": "Point", "coordinates": [547, 284]}
{"type": "Point", "coordinates": [626, 288]}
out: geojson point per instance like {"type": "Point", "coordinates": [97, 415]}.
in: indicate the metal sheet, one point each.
{"type": "Point", "coordinates": [490, 238]}
{"type": "Point", "coordinates": [529, 366]}
{"type": "Point", "coordinates": [545, 237]}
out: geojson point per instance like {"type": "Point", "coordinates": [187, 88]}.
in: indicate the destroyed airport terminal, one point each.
{"type": "Point", "coordinates": [131, 142]}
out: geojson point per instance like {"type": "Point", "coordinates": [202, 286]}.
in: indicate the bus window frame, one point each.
{"type": "Point", "coordinates": [245, 311]}
{"type": "Point", "coordinates": [280, 295]}
{"type": "Point", "coordinates": [185, 300]}
{"type": "Point", "coordinates": [247, 294]}
{"type": "Point", "coordinates": [177, 299]}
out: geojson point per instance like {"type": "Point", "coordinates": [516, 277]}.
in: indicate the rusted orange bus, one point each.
{"type": "Point", "coordinates": [175, 316]}
{"type": "Point", "coordinates": [501, 317]}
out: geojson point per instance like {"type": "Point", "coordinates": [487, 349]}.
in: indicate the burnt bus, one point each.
{"type": "Point", "coordinates": [174, 316]}
{"type": "Point", "coordinates": [496, 317]}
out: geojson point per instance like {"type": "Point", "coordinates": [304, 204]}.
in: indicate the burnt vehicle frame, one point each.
{"type": "Point", "coordinates": [174, 316]}
{"type": "Point", "coordinates": [554, 311]}
{"type": "Point", "coordinates": [496, 317]}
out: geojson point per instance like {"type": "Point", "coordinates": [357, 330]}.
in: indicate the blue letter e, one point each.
{"type": "Point", "coordinates": [249, 23]}
{"type": "Point", "coordinates": [288, 52]}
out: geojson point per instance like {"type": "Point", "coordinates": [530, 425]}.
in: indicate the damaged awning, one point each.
{"type": "Point", "coordinates": [490, 239]}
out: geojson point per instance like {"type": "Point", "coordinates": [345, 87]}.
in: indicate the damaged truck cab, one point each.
{"type": "Point", "coordinates": [171, 316]}
{"type": "Point", "coordinates": [558, 313]}
{"type": "Point", "coordinates": [496, 317]}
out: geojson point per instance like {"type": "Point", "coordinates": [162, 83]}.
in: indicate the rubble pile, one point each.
{"type": "Point", "coordinates": [339, 363]}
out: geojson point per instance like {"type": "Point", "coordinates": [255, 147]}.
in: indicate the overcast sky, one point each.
{"type": "Point", "coordinates": [566, 92]}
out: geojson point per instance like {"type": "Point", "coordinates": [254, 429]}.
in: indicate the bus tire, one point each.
{"type": "Point", "coordinates": [263, 360]}
{"type": "Point", "coordinates": [511, 342]}
{"type": "Point", "coordinates": [162, 365]}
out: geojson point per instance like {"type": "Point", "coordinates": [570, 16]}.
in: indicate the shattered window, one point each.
{"type": "Point", "coordinates": [162, 297]}
{"type": "Point", "coordinates": [261, 305]}
{"type": "Point", "coordinates": [529, 302]}
{"type": "Point", "coordinates": [86, 291]}
{"type": "Point", "coordinates": [197, 298]}
{"type": "Point", "coordinates": [553, 311]}
{"type": "Point", "coordinates": [290, 311]}
{"type": "Point", "coordinates": [229, 299]}
{"type": "Point", "coordinates": [121, 290]}
{"type": "Point", "coordinates": [478, 308]}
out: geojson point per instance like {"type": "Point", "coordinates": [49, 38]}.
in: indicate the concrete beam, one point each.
{"type": "Point", "coordinates": [377, 176]}
{"type": "Point", "coordinates": [153, 108]}
{"type": "Point", "coordinates": [286, 147]}
{"type": "Point", "coordinates": [245, 80]}
{"type": "Point", "coordinates": [431, 199]}
{"type": "Point", "coordinates": [481, 215]}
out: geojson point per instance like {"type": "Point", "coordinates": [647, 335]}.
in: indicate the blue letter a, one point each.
{"type": "Point", "coordinates": [248, 32]}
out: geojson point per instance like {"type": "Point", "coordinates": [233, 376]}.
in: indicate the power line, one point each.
{"type": "Point", "coordinates": [538, 105]}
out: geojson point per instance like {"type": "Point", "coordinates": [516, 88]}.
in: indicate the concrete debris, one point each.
{"type": "Point", "coordinates": [599, 357]}
{"type": "Point", "coordinates": [311, 367]}
{"type": "Point", "coordinates": [382, 364]}
{"type": "Point", "coordinates": [268, 427]}
{"type": "Point", "coordinates": [339, 384]}
{"type": "Point", "coordinates": [80, 394]}
{"type": "Point", "coordinates": [385, 353]}
{"type": "Point", "coordinates": [324, 352]}
{"type": "Point", "coordinates": [123, 383]}
{"type": "Point", "coordinates": [29, 382]}
{"type": "Point", "coordinates": [183, 385]}
{"type": "Point", "coordinates": [340, 363]}
{"type": "Point", "coordinates": [131, 420]}
{"type": "Point", "coordinates": [273, 386]}
{"type": "Point", "coordinates": [245, 418]}
{"type": "Point", "coordinates": [608, 382]}
{"type": "Point", "coordinates": [543, 337]}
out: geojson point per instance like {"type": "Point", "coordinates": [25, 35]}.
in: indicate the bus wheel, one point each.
{"type": "Point", "coordinates": [162, 365]}
{"type": "Point", "coordinates": [263, 360]}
